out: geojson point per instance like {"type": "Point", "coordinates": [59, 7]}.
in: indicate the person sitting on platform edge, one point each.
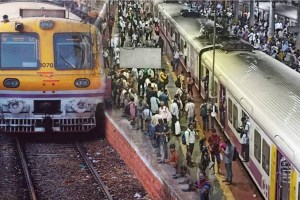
{"type": "Point", "coordinates": [204, 186]}
{"type": "Point", "coordinates": [174, 157]}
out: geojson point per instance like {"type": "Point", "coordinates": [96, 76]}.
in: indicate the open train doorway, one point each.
{"type": "Point", "coordinates": [283, 177]}
{"type": "Point", "coordinates": [222, 105]}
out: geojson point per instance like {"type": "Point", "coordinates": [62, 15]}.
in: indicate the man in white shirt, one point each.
{"type": "Point", "coordinates": [135, 73]}
{"type": "Point", "coordinates": [133, 94]}
{"type": "Point", "coordinates": [247, 125]}
{"type": "Point", "coordinates": [175, 113]}
{"type": "Point", "coordinates": [179, 92]}
{"type": "Point", "coordinates": [190, 136]}
{"type": "Point", "coordinates": [154, 101]}
{"type": "Point", "coordinates": [134, 39]}
{"type": "Point", "coordinates": [154, 85]}
{"type": "Point", "coordinates": [150, 73]}
{"type": "Point", "coordinates": [105, 57]}
{"type": "Point", "coordinates": [245, 147]}
{"type": "Point", "coordinates": [176, 60]}
{"type": "Point", "coordinates": [185, 53]}
{"type": "Point", "coordinates": [141, 81]}
{"type": "Point", "coordinates": [190, 110]}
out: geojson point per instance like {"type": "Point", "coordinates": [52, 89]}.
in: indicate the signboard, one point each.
{"type": "Point", "coordinates": [140, 57]}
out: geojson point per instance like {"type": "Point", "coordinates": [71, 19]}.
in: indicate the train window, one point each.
{"type": "Point", "coordinates": [230, 110]}
{"type": "Point", "coordinates": [177, 39]}
{"type": "Point", "coordinates": [19, 51]}
{"type": "Point", "coordinates": [266, 157]}
{"type": "Point", "coordinates": [181, 45]}
{"type": "Point", "coordinates": [257, 145]}
{"type": "Point", "coordinates": [72, 51]}
{"type": "Point", "coordinates": [235, 122]}
{"type": "Point", "coordinates": [168, 28]}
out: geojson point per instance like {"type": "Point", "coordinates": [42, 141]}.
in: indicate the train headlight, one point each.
{"type": "Point", "coordinates": [15, 106]}
{"type": "Point", "coordinates": [82, 83]}
{"type": "Point", "coordinates": [19, 26]}
{"type": "Point", "coordinates": [11, 83]}
{"type": "Point", "coordinates": [80, 105]}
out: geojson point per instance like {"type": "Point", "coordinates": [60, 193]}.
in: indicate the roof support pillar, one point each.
{"type": "Point", "coordinates": [251, 19]}
{"type": "Point", "coordinates": [236, 10]}
{"type": "Point", "coordinates": [271, 29]}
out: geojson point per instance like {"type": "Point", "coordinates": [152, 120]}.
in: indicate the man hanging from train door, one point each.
{"type": "Point", "coordinates": [245, 137]}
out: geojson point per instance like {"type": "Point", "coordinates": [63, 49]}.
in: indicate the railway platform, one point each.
{"type": "Point", "coordinates": [142, 145]}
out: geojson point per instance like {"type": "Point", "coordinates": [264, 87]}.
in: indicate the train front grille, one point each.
{"type": "Point", "coordinates": [58, 125]}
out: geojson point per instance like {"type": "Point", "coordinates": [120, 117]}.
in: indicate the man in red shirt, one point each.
{"type": "Point", "coordinates": [214, 147]}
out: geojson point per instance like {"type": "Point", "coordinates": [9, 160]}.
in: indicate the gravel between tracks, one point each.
{"type": "Point", "coordinates": [122, 183]}
{"type": "Point", "coordinates": [59, 173]}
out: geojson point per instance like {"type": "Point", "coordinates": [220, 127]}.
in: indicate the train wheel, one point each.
{"type": "Point", "coordinates": [99, 130]}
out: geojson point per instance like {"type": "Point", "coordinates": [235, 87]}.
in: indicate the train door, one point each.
{"type": "Point", "coordinates": [283, 178]}
{"type": "Point", "coordinates": [222, 104]}
{"type": "Point", "coordinates": [205, 81]}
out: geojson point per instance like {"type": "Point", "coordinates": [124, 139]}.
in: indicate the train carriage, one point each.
{"type": "Point", "coordinates": [247, 83]}
{"type": "Point", "coordinates": [50, 70]}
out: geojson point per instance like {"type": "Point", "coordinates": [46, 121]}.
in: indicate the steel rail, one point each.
{"type": "Point", "coordinates": [26, 171]}
{"type": "Point", "coordinates": [93, 170]}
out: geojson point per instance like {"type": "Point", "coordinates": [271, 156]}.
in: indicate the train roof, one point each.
{"type": "Point", "coordinates": [188, 27]}
{"type": "Point", "coordinates": [268, 90]}
{"type": "Point", "coordinates": [12, 9]}
{"type": "Point", "coordinates": [281, 8]}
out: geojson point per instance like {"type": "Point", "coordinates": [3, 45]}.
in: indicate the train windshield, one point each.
{"type": "Point", "coordinates": [72, 51]}
{"type": "Point", "coordinates": [19, 51]}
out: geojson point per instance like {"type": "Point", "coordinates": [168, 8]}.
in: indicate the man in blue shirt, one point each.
{"type": "Point", "coordinates": [164, 97]}
{"type": "Point", "coordinates": [162, 131]}
{"type": "Point", "coordinates": [228, 156]}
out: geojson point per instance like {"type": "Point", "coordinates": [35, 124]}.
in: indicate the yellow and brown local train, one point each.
{"type": "Point", "coordinates": [50, 70]}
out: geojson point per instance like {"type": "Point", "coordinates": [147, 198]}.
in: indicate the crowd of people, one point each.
{"type": "Point", "coordinates": [142, 95]}
{"type": "Point", "coordinates": [281, 45]}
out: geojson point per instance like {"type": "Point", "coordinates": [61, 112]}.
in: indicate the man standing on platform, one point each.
{"type": "Point", "coordinates": [228, 156]}
{"type": "Point", "coordinates": [190, 110]}
{"type": "Point", "coordinates": [204, 115]}
{"type": "Point", "coordinates": [175, 114]}
{"type": "Point", "coordinates": [214, 147]}
{"type": "Point", "coordinates": [162, 79]}
{"type": "Point", "coordinates": [190, 136]}
{"type": "Point", "coordinates": [162, 130]}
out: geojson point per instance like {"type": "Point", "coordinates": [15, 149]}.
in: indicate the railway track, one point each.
{"type": "Point", "coordinates": [12, 183]}
{"type": "Point", "coordinates": [60, 171]}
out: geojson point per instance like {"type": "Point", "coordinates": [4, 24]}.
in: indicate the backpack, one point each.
{"type": "Point", "coordinates": [177, 82]}
{"type": "Point", "coordinates": [183, 137]}
{"type": "Point", "coordinates": [235, 154]}
{"type": "Point", "coordinates": [203, 110]}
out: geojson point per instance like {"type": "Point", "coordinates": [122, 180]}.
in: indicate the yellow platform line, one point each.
{"type": "Point", "coordinates": [225, 188]}
{"type": "Point", "coordinates": [174, 77]}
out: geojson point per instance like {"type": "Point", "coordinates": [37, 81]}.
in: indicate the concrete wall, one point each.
{"type": "Point", "coordinates": [150, 179]}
